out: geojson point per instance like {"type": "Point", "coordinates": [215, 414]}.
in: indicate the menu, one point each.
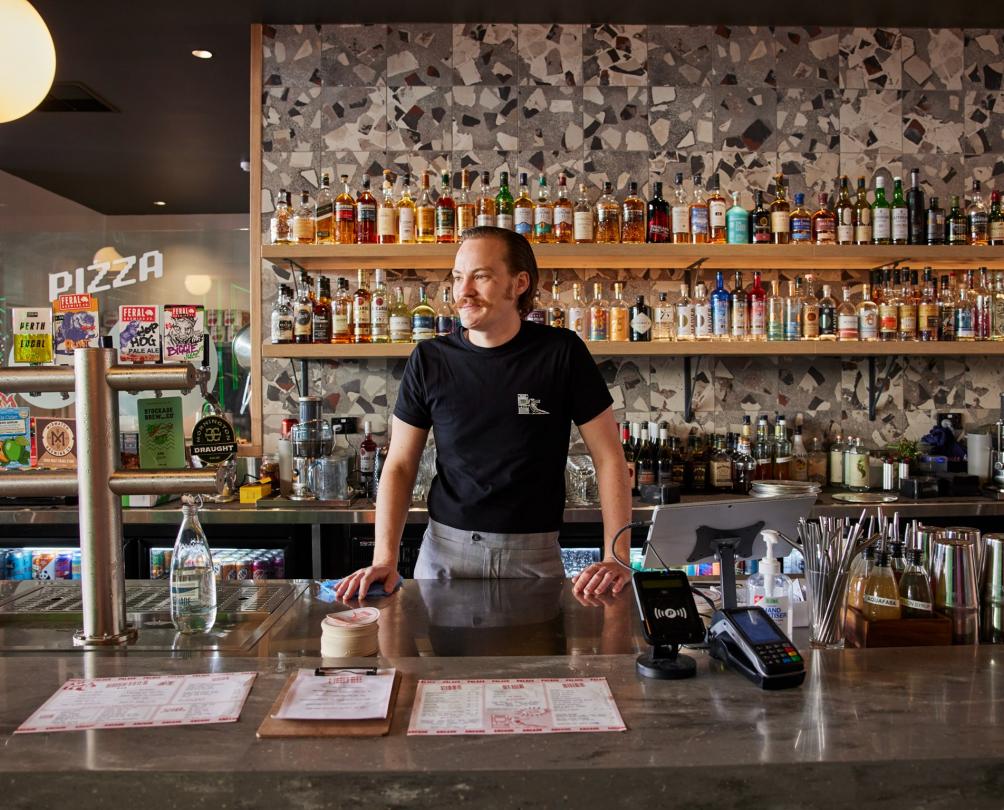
{"type": "Point", "coordinates": [142, 702]}
{"type": "Point", "coordinates": [346, 695]}
{"type": "Point", "coordinates": [514, 706]}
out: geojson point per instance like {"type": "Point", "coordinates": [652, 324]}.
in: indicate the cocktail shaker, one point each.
{"type": "Point", "coordinates": [954, 583]}
{"type": "Point", "coordinates": [992, 590]}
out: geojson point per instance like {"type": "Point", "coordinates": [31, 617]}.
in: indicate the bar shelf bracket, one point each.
{"type": "Point", "coordinates": [691, 368]}
{"type": "Point", "coordinates": [876, 386]}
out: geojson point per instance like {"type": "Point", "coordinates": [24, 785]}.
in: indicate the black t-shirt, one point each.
{"type": "Point", "coordinates": [502, 419]}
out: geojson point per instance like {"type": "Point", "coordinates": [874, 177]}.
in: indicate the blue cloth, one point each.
{"type": "Point", "coordinates": [326, 590]}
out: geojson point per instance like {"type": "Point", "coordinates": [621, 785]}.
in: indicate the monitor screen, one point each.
{"type": "Point", "coordinates": [755, 627]}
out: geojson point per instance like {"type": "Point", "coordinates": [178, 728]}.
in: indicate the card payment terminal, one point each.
{"type": "Point", "coordinates": [747, 640]}
{"type": "Point", "coordinates": [669, 618]}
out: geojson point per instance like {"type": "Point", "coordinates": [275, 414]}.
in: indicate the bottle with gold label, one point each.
{"type": "Point", "coordinates": [564, 214]}
{"type": "Point", "coordinates": [927, 310]}
{"type": "Point", "coordinates": [446, 213]}
{"type": "Point", "coordinates": [522, 210]}
{"type": "Point", "coordinates": [341, 313]}
{"type": "Point", "coordinates": [485, 207]}
{"type": "Point", "coordinates": [303, 221]}
{"type": "Point", "coordinates": [281, 223]}
{"type": "Point", "coordinates": [399, 318]}
{"type": "Point", "coordinates": [608, 216]}
{"type": "Point", "coordinates": [584, 218]}
{"type": "Point", "coordinates": [406, 214]}
{"type": "Point", "coordinates": [324, 211]}
{"type": "Point", "coordinates": [387, 212]}
{"type": "Point", "coordinates": [862, 216]}
{"type": "Point", "coordinates": [345, 214]}
{"type": "Point", "coordinates": [379, 310]}
{"type": "Point", "coordinates": [466, 216]}
{"type": "Point", "coordinates": [366, 208]}
{"type": "Point", "coordinates": [543, 214]}
{"type": "Point", "coordinates": [425, 214]}
{"type": "Point", "coordinates": [633, 216]}
{"type": "Point", "coordinates": [845, 214]}
{"type": "Point", "coordinates": [697, 213]}
{"type": "Point", "coordinates": [361, 310]}
{"type": "Point", "coordinates": [599, 315]}
{"type": "Point", "coordinates": [618, 315]}
{"type": "Point", "coordinates": [780, 214]}
{"type": "Point", "coordinates": [717, 213]}
{"type": "Point", "coordinates": [889, 308]}
{"type": "Point", "coordinates": [556, 311]}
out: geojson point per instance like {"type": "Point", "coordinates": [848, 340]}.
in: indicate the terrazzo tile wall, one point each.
{"type": "Point", "coordinates": [621, 102]}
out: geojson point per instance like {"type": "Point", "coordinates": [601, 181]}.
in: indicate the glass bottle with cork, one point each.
{"type": "Point", "coordinates": [504, 204]}
{"type": "Point", "coordinates": [995, 220]}
{"type": "Point", "coordinates": [578, 313]}
{"type": "Point", "coordinates": [466, 210]}
{"type": "Point", "coordinates": [446, 212]}
{"type": "Point", "coordinates": [978, 216]}
{"type": "Point", "coordinates": [486, 202]}
{"type": "Point", "coordinates": [743, 468]}
{"type": "Point", "coordinates": [780, 214]}
{"type": "Point", "coordinates": [739, 310]}
{"type": "Point", "coordinates": [584, 218]}
{"type": "Point", "coordinates": [320, 324]}
{"type": "Point", "coordinates": [303, 313]}
{"type": "Point", "coordinates": [341, 313]}
{"type": "Point", "coordinates": [658, 228]}
{"type": "Point", "coordinates": [720, 309]}
{"type": "Point", "coordinates": [543, 214]}
{"type": "Point", "coordinates": [406, 214]}
{"type": "Point", "coordinates": [423, 317]}
{"type": "Point", "coordinates": [664, 318]}
{"type": "Point", "coordinates": [762, 233]}
{"type": "Point", "coordinates": [862, 216]}
{"type": "Point", "coordinates": [379, 310]}
{"type": "Point", "coordinates": [900, 214]}
{"type": "Point", "coordinates": [685, 315]}
{"type": "Point", "coordinates": [303, 221]}
{"type": "Point", "coordinates": [827, 315]}
{"type": "Point", "coordinates": [633, 216]}
{"type": "Point", "coordinates": [680, 213]}
{"type": "Point", "coordinates": [800, 222]}
{"type": "Point", "coordinates": [345, 214]}
{"type": "Point", "coordinates": [425, 214]}
{"type": "Point", "coordinates": [556, 315]}
{"type": "Point", "coordinates": [361, 310]}
{"type": "Point", "coordinates": [717, 213]}
{"type": "Point", "coordinates": [916, 215]}
{"type": "Point", "coordinates": [387, 231]}
{"type": "Point", "coordinates": [957, 224]}
{"type": "Point", "coordinates": [935, 223]}
{"type": "Point", "coordinates": [845, 214]}
{"type": "Point", "coordinates": [599, 315]}
{"type": "Point", "coordinates": [523, 209]}
{"type": "Point", "coordinates": [881, 215]}
{"type": "Point", "coordinates": [824, 222]}
{"type": "Point", "coordinates": [399, 318]}
{"type": "Point", "coordinates": [366, 213]}
{"type": "Point", "coordinates": [702, 313]}
{"type": "Point", "coordinates": [697, 213]}
{"type": "Point", "coordinates": [282, 316]}
{"type": "Point", "coordinates": [847, 317]}
{"type": "Point", "coordinates": [618, 315]}
{"type": "Point", "coordinates": [564, 214]}
{"type": "Point", "coordinates": [608, 216]}
{"type": "Point", "coordinates": [324, 212]}
{"type": "Point", "coordinates": [927, 310]}
{"type": "Point", "coordinates": [444, 314]}
{"type": "Point", "coordinates": [280, 226]}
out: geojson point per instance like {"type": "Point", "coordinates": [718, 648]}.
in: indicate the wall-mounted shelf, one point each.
{"type": "Point", "coordinates": [740, 257]}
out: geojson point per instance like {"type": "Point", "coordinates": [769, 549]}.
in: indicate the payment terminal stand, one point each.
{"type": "Point", "coordinates": [669, 618]}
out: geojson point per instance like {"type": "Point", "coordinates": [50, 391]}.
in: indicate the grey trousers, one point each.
{"type": "Point", "coordinates": [449, 553]}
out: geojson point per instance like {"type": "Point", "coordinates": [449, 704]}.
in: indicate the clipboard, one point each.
{"type": "Point", "coordinates": [273, 728]}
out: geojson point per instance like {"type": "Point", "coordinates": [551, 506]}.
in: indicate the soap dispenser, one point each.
{"type": "Point", "coordinates": [769, 588]}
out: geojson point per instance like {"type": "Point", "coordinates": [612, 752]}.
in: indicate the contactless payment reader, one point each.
{"type": "Point", "coordinates": [747, 640]}
{"type": "Point", "coordinates": [669, 618]}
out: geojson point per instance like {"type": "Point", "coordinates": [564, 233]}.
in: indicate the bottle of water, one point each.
{"type": "Point", "coordinates": [193, 583]}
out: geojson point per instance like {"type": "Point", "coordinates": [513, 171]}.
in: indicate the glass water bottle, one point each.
{"type": "Point", "coordinates": [192, 581]}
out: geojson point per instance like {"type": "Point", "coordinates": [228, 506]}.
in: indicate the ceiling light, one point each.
{"type": "Point", "coordinates": [201, 54]}
{"type": "Point", "coordinates": [27, 59]}
{"type": "Point", "coordinates": [159, 202]}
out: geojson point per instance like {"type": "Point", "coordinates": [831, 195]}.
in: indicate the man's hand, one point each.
{"type": "Point", "coordinates": [360, 581]}
{"type": "Point", "coordinates": [598, 578]}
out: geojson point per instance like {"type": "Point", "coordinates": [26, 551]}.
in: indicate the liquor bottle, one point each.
{"type": "Point", "coordinates": [341, 313]}
{"type": "Point", "coordinates": [717, 215]}
{"type": "Point", "coordinates": [564, 214]}
{"type": "Point", "coordinates": [640, 322]}
{"type": "Point", "coordinates": [406, 214]}
{"type": "Point", "coordinates": [720, 309]}
{"type": "Point", "coordinates": [555, 309]}
{"type": "Point", "coordinates": [387, 212]}
{"type": "Point", "coordinates": [737, 222]}
{"type": "Point", "coordinates": [685, 316]}
{"type": "Point", "coordinates": [957, 224]}
{"type": "Point", "coordinates": [702, 313]}
{"type": "Point", "coordinates": [379, 310]}
{"type": "Point", "coordinates": [889, 308]}
{"type": "Point", "coordinates": [868, 316]}
{"type": "Point", "coordinates": [762, 450]}
{"type": "Point", "coordinates": [280, 225]}
{"type": "Point", "coordinates": [857, 470]}
{"type": "Point", "coordinates": [965, 310]}
{"type": "Point", "coordinates": [743, 468]}
{"type": "Point", "coordinates": [781, 451]}
{"type": "Point", "coordinates": [320, 323]}
{"type": "Point", "coordinates": [934, 218]}
{"type": "Point", "coordinates": [761, 220]}
{"type": "Point", "coordinates": [444, 315]}
{"type": "Point", "coordinates": [678, 463]}
{"type": "Point", "coordinates": [800, 222]}
{"type": "Point", "coordinates": [608, 216]}
{"type": "Point", "coordinates": [366, 209]}
{"type": "Point", "coordinates": [192, 582]}
{"type": "Point", "coordinates": [720, 467]}
{"type": "Point", "coordinates": [809, 311]}
{"type": "Point", "coordinates": [824, 223]}
{"type": "Point", "coordinates": [695, 476]}
{"type": "Point", "coordinates": [680, 213]}
{"type": "Point", "coordinates": [776, 305]}
{"type": "Point", "coordinates": [847, 317]}
{"type": "Point", "coordinates": [880, 595]}
{"type": "Point", "coordinates": [399, 318]}
{"type": "Point", "coordinates": [664, 316]}
{"type": "Point", "coordinates": [543, 214]}
{"type": "Point", "coordinates": [537, 313]}
{"type": "Point", "coordinates": [900, 214]}
{"type": "Point", "coordinates": [664, 463]}
{"type": "Point", "coordinates": [578, 313]}
{"type": "Point", "coordinates": [793, 310]}
{"type": "Point", "coordinates": [915, 587]}
{"type": "Point", "coordinates": [739, 308]}
{"type": "Point", "coordinates": [697, 213]}
{"type": "Point", "coordinates": [303, 312]}
{"type": "Point", "coordinates": [425, 214]}
{"type": "Point", "coordinates": [446, 213]}
{"type": "Point", "coordinates": [799, 467]}
{"type": "Point", "coordinates": [916, 218]}
{"type": "Point", "coordinates": [324, 211]}
{"type": "Point", "coordinates": [907, 310]}
{"type": "Point", "coordinates": [757, 309]}
{"type": "Point", "coordinates": [618, 318]}
{"type": "Point", "coordinates": [881, 215]}
{"type": "Point", "coordinates": [366, 458]}
{"type": "Point", "coordinates": [862, 216]}
{"type": "Point", "coordinates": [423, 317]}
{"type": "Point", "coordinates": [629, 455]}
{"type": "Point", "coordinates": [780, 216]}
{"type": "Point", "coordinates": [658, 230]}
{"type": "Point", "coordinates": [633, 216]}
{"type": "Point", "coordinates": [361, 327]}
{"type": "Point", "coordinates": [584, 222]}
{"type": "Point", "coordinates": [646, 461]}
{"type": "Point", "coordinates": [466, 210]}
{"type": "Point", "coordinates": [979, 218]}
{"type": "Point", "coordinates": [927, 310]}
{"type": "Point", "coordinates": [504, 203]}
{"type": "Point", "coordinates": [835, 453]}
{"type": "Point", "coordinates": [995, 220]}
{"type": "Point", "coordinates": [486, 203]}
{"type": "Point", "coordinates": [997, 329]}
{"type": "Point", "coordinates": [523, 209]}
{"type": "Point", "coordinates": [303, 221]}
{"type": "Point", "coordinates": [846, 218]}
{"type": "Point", "coordinates": [345, 214]}
{"type": "Point", "coordinates": [946, 309]}
{"type": "Point", "coordinates": [282, 316]}
{"type": "Point", "coordinates": [827, 315]}
{"type": "Point", "coordinates": [599, 315]}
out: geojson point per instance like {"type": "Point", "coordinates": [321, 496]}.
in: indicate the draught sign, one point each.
{"type": "Point", "coordinates": [213, 440]}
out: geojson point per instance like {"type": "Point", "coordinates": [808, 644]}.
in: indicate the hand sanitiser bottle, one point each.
{"type": "Point", "coordinates": [769, 588]}
{"type": "Point", "coordinates": [193, 583]}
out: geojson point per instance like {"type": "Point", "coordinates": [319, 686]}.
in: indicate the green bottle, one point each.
{"type": "Point", "coordinates": [504, 205]}
{"type": "Point", "coordinates": [881, 215]}
{"type": "Point", "coordinates": [900, 214]}
{"type": "Point", "coordinates": [737, 223]}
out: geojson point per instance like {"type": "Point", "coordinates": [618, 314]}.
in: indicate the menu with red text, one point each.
{"type": "Point", "coordinates": [142, 702]}
{"type": "Point", "coordinates": [514, 706]}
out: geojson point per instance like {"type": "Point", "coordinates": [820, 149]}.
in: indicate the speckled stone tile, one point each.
{"type": "Point", "coordinates": [854, 385]}
{"type": "Point", "coordinates": [664, 165]}
{"type": "Point", "coordinates": [627, 380]}
{"type": "Point", "coordinates": [549, 54]}
{"type": "Point", "coordinates": [810, 172]}
{"type": "Point", "coordinates": [983, 124]}
{"type": "Point", "coordinates": [477, 161]}
{"type": "Point", "coordinates": [485, 117]}
{"type": "Point", "coordinates": [291, 56]}
{"type": "Point", "coordinates": [743, 55]}
{"type": "Point", "coordinates": [983, 386]}
{"type": "Point", "coordinates": [927, 387]}
{"type": "Point", "coordinates": [871, 119]}
{"type": "Point", "coordinates": [551, 118]}
{"type": "Point", "coordinates": [889, 426]}
{"type": "Point", "coordinates": [619, 168]}
{"type": "Point", "coordinates": [616, 118]}
{"type": "Point", "coordinates": [983, 59]}
{"type": "Point", "coordinates": [680, 55]}
{"type": "Point", "coordinates": [745, 172]}
{"type": "Point", "coordinates": [940, 175]}
{"type": "Point", "coordinates": [484, 53]}
{"type": "Point", "coordinates": [354, 55]}
{"type": "Point", "coordinates": [354, 118]}
{"type": "Point", "coordinates": [435, 163]}
{"type": "Point", "coordinates": [867, 164]}
{"type": "Point", "coordinates": [667, 386]}
{"type": "Point", "coordinates": [615, 55]}
{"type": "Point", "coordinates": [681, 118]}
{"type": "Point", "coordinates": [807, 56]}
{"type": "Point", "coordinates": [291, 118]}
{"type": "Point", "coordinates": [810, 385]}
{"type": "Point", "coordinates": [932, 122]}
{"type": "Point", "coordinates": [870, 58]}
{"type": "Point", "coordinates": [356, 165]}
{"type": "Point", "coordinates": [745, 119]}
{"type": "Point", "coordinates": [420, 54]}
{"type": "Point", "coordinates": [932, 58]}
{"type": "Point", "coordinates": [292, 171]}
{"type": "Point", "coordinates": [748, 384]}
{"type": "Point", "coordinates": [550, 163]}
{"type": "Point", "coordinates": [988, 169]}
{"type": "Point", "coordinates": [420, 118]}
{"type": "Point", "coordinates": [808, 119]}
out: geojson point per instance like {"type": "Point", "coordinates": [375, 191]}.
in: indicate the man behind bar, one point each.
{"type": "Point", "coordinates": [501, 394]}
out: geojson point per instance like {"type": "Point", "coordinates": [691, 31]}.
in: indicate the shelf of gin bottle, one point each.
{"type": "Point", "coordinates": [738, 257]}
{"type": "Point", "coordinates": [675, 348]}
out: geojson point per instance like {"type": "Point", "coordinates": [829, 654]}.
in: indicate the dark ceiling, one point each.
{"type": "Point", "coordinates": [181, 129]}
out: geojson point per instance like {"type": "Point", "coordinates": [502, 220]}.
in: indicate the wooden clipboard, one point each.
{"type": "Point", "coordinates": [272, 727]}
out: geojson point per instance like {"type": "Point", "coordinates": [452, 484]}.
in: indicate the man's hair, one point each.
{"type": "Point", "coordinates": [518, 258]}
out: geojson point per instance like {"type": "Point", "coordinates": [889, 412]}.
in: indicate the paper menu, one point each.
{"type": "Point", "coordinates": [346, 695]}
{"type": "Point", "coordinates": [514, 706]}
{"type": "Point", "coordinates": [142, 702]}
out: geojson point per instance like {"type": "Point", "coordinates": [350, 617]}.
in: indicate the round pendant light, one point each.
{"type": "Point", "coordinates": [27, 59]}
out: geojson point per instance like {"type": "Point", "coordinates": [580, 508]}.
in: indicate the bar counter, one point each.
{"type": "Point", "coordinates": [868, 728]}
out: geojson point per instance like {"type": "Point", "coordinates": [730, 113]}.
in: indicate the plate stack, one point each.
{"type": "Point", "coordinates": [350, 633]}
{"type": "Point", "coordinates": [773, 489]}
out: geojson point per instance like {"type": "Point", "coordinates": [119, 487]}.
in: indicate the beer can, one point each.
{"type": "Point", "coordinates": [261, 567]}
{"type": "Point", "coordinates": [245, 569]}
{"type": "Point", "coordinates": [64, 566]}
{"type": "Point", "coordinates": [228, 570]}
{"type": "Point", "coordinates": [156, 563]}
{"type": "Point", "coordinates": [75, 566]}
{"type": "Point", "coordinates": [278, 564]}
{"type": "Point", "coordinates": [19, 563]}
{"type": "Point", "coordinates": [43, 565]}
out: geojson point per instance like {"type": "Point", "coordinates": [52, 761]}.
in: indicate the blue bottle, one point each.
{"type": "Point", "coordinates": [720, 309]}
{"type": "Point", "coordinates": [737, 223]}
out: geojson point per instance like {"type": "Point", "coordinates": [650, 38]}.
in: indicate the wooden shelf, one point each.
{"type": "Point", "coordinates": [740, 257]}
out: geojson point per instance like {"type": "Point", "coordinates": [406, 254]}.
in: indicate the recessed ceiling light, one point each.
{"type": "Point", "coordinates": [159, 202]}
{"type": "Point", "coordinates": [202, 54]}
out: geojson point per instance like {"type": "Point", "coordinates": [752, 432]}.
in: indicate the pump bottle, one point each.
{"type": "Point", "coordinates": [769, 588]}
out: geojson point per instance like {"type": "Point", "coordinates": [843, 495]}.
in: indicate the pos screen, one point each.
{"type": "Point", "coordinates": [753, 626]}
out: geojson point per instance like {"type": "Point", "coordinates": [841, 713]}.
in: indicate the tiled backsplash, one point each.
{"type": "Point", "coordinates": [621, 102]}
